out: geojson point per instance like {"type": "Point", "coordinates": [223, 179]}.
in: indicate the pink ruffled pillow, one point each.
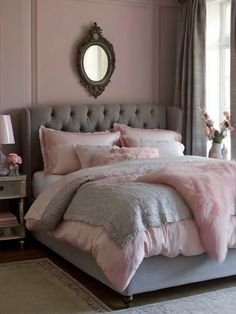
{"type": "Point", "coordinates": [154, 134]}
{"type": "Point", "coordinates": [122, 154]}
{"type": "Point", "coordinates": [58, 152]}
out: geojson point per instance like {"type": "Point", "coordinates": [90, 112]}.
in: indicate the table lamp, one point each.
{"type": "Point", "coordinates": [6, 137]}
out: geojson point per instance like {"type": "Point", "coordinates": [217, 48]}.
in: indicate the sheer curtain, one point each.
{"type": "Point", "coordinates": [233, 77]}
{"type": "Point", "coordinates": [190, 72]}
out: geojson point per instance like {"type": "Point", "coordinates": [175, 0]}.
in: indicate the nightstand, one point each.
{"type": "Point", "coordinates": [13, 187]}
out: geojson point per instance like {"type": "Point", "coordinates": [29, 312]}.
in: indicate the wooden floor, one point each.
{"type": "Point", "coordinates": [10, 251]}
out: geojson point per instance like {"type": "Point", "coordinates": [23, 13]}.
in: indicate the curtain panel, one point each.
{"type": "Point", "coordinates": [190, 73]}
{"type": "Point", "coordinates": [233, 77]}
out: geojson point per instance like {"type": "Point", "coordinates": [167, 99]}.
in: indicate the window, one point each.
{"type": "Point", "coordinates": [218, 60]}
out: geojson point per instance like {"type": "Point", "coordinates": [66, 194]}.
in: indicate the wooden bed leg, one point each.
{"type": "Point", "coordinates": [127, 299]}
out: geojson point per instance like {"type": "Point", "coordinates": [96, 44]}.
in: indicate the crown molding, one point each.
{"type": "Point", "coordinates": [133, 3]}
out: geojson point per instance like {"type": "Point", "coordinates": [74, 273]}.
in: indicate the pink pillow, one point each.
{"type": "Point", "coordinates": [85, 153]}
{"type": "Point", "coordinates": [57, 149]}
{"type": "Point", "coordinates": [121, 154]}
{"type": "Point", "coordinates": [155, 134]}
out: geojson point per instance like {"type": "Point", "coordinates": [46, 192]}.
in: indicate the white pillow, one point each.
{"type": "Point", "coordinates": [166, 148]}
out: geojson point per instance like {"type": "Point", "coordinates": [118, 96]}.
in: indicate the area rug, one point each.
{"type": "Point", "coordinates": [40, 287]}
{"type": "Point", "coordinates": [220, 301]}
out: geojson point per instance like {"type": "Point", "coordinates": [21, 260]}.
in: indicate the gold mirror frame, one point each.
{"type": "Point", "coordinates": [95, 37]}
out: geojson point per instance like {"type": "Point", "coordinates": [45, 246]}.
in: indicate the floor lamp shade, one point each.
{"type": "Point", "coordinates": [6, 131]}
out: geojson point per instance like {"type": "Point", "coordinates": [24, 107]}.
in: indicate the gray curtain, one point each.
{"type": "Point", "coordinates": [233, 77]}
{"type": "Point", "coordinates": [190, 73]}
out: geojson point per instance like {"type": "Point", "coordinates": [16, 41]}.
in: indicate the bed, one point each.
{"type": "Point", "coordinates": [155, 272]}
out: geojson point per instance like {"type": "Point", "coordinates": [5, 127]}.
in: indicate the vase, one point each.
{"type": "Point", "coordinates": [215, 151]}
{"type": "Point", "coordinates": [14, 170]}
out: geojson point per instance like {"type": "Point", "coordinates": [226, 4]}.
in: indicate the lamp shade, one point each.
{"type": "Point", "coordinates": [6, 131]}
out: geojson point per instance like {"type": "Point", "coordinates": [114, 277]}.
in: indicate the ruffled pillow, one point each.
{"type": "Point", "coordinates": [121, 154]}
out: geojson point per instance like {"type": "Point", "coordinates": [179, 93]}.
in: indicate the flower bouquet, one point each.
{"type": "Point", "coordinates": [13, 161]}
{"type": "Point", "coordinates": [216, 136]}
{"type": "Point", "coordinates": [213, 134]}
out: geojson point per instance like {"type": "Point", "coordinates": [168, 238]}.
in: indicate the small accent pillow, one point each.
{"type": "Point", "coordinates": [86, 152]}
{"type": "Point", "coordinates": [154, 134]}
{"type": "Point", "coordinates": [58, 152]}
{"type": "Point", "coordinates": [166, 148]}
{"type": "Point", "coordinates": [122, 154]}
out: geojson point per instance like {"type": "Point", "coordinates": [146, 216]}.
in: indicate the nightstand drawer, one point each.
{"type": "Point", "coordinates": [12, 189]}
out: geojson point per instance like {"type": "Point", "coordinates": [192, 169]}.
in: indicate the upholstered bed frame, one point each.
{"type": "Point", "coordinates": [155, 272]}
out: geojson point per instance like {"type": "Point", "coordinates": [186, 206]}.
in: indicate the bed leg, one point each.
{"type": "Point", "coordinates": [127, 299]}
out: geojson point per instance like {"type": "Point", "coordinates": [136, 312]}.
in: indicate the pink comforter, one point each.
{"type": "Point", "coordinates": [120, 264]}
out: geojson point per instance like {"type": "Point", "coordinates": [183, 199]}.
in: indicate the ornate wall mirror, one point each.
{"type": "Point", "coordinates": [95, 61]}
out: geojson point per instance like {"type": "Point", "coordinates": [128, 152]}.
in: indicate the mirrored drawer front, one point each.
{"type": "Point", "coordinates": [12, 189]}
{"type": "Point", "coordinates": [9, 232]}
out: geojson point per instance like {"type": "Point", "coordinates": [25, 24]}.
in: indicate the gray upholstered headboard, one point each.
{"type": "Point", "coordinates": [88, 118]}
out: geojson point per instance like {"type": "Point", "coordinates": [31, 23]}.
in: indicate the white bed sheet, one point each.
{"type": "Point", "coordinates": [40, 182]}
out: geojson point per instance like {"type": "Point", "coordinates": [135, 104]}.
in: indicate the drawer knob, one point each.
{"type": "Point", "coordinates": [1, 188]}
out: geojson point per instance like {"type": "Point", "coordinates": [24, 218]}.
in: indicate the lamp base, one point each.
{"type": "Point", "coordinates": [3, 170]}
{"type": "Point", "coordinates": [2, 158]}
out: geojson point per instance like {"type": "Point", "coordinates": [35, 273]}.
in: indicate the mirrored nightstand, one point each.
{"type": "Point", "coordinates": [13, 187]}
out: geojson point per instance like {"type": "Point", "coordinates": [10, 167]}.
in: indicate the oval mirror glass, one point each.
{"type": "Point", "coordinates": [95, 63]}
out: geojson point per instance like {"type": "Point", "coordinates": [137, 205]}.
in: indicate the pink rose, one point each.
{"type": "Point", "coordinates": [13, 158]}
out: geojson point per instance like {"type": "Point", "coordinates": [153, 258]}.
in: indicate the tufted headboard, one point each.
{"type": "Point", "coordinates": [88, 118]}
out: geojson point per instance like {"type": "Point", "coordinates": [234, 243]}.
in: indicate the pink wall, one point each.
{"type": "Point", "coordinates": [38, 40]}
{"type": "Point", "coordinates": [128, 28]}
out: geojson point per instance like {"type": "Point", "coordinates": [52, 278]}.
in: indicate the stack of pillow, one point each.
{"type": "Point", "coordinates": [65, 152]}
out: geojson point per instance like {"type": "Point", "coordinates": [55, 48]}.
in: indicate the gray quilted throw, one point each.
{"type": "Point", "coordinates": [126, 209]}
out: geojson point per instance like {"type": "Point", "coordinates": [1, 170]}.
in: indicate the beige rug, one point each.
{"type": "Point", "coordinates": [40, 287]}
{"type": "Point", "coordinates": [221, 301]}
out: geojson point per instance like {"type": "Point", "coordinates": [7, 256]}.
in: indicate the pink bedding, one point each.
{"type": "Point", "coordinates": [120, 263]}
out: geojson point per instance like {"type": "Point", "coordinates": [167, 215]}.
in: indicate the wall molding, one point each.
{"type": "Point", "coordinates": [159, 5]}
{"type": "Point", "coordinates": [15, 54]}
{"type": "Point", "coordinates": [34, 55]}
{"type": "Point", "coordinates": [2, 34]}
{"type": "Point", "coordinates": [133, 3]}
{"type": "Point", "coordinates": [26, 51]}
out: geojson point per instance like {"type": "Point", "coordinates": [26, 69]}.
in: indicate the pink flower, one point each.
{"type": "Point", "coordinates": [210, 132]}
{"type": "Point", "coordinates": [13, 158]}
{"type": "Point", "coordinates": [209, 122]}
{"type": "Point", "coordinates": [227, 115]}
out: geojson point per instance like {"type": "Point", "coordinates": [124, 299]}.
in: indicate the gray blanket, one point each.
{"type": "Point", "coordinates": [122, 209]}
{"type": "Point", "coordinates": [126, 209]}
